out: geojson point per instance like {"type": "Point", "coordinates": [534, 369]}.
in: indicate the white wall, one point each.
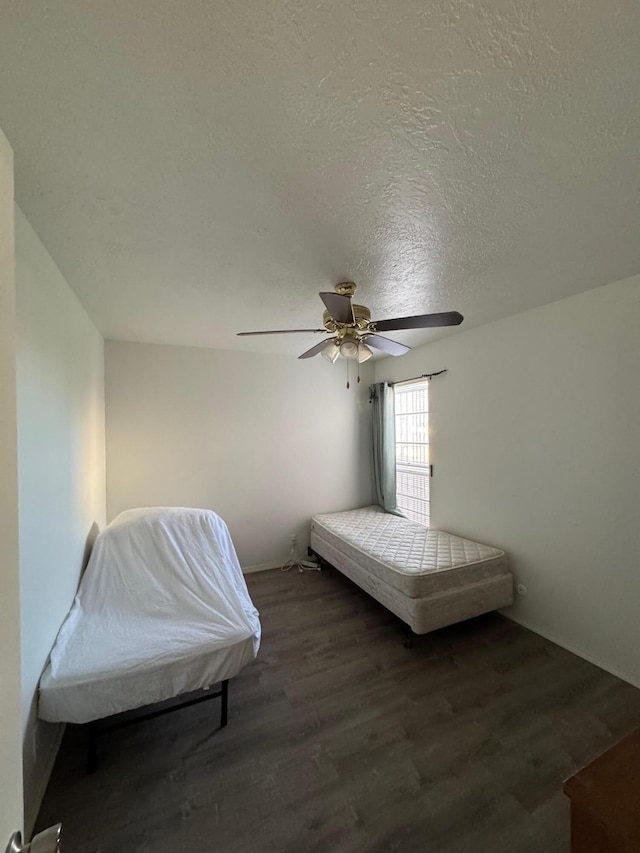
{"type": "Point", "coordinates": [536, 449]}
{"type": "Point", "coordinates": [10, 740]}
{"type": "Point", "coordinates": [265, 441]}
{"type": "Point", "coordinates": [61, 471]}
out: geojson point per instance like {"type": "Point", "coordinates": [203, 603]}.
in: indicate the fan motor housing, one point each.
{"type": "Point", "coordinates": [361, 316]}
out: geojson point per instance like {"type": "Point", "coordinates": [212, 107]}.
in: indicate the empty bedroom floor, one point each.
{"type": "Point", "coordinates": [340, 739]}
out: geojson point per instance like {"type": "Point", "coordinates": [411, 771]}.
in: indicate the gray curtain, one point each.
{"type": "Point", "coordinates": [383, 445]}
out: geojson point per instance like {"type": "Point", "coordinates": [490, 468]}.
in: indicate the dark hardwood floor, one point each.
{"type": "Point", "coordinates": [340, 739]}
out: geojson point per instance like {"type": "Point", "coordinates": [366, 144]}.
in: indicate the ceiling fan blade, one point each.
{"type": "Point", "coordinates": [421, 321]}
{"type": "Point", "coordinates": [339, 306]}
{"type": "Point", "coordinates": [282, 332]}
{"type": "Point", "coordinates": [316, 349]}
{"type": "Point", "coordinates": [390, 347]}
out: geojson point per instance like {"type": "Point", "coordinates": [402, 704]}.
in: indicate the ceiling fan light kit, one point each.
{"type": "Point", "coordinates": [355, 332]}
{"type": "Point", "coordinates": [331, 350]}
{"type": "Point", "coordinates": [349, 344]}
{"type": "Point", "coordinates": [364, 353]}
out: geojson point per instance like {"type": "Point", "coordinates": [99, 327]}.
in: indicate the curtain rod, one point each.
{"type": "Point", "coordinates": [423, 376]}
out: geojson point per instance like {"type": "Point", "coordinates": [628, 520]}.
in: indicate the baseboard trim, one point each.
{"type": "Point", "coordinates": [261, 567]}
{"type": "Point", "coordinates": [581, 654]}
{"type": "Point", "coordinates": [36, 795]}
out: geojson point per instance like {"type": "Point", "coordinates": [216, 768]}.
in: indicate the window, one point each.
{"type": "Point", "coordinates": [412, 449]}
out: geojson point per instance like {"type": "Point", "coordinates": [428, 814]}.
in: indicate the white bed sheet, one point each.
{"type": "Point", "coordinates": [162, 609]}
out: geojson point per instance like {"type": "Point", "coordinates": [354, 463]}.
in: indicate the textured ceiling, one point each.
{"type": "Point", "coordinates": [201, 168]}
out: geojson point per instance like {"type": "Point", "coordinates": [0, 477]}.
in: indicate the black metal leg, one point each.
{"type": "Point", "coordinates": [407, 638]}
{"type": "Point", "coordinates": [95, 728]}
{"type": "Point", "coordinates": [224, 702]}
{"type": "Point", "coordinates": [92, 748]}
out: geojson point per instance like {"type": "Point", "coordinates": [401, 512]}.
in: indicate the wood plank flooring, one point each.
{"type": "Point", "coordinates": [340, 739]}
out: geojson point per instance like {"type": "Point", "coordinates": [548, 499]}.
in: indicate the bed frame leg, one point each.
{"type": "Point", "coordinates": [407, 637]}
{"type": "Point", "coordinates": [92, 747]}
{"type": "Point", "coordinates": [94, 728]}
{"type": "Point", "coordinates": [322, 563]}
{"type": "Point", "coordinates": [224, 703]}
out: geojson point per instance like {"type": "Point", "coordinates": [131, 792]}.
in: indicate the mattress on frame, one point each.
{"type": "Point", "coordinates": [162, 609]}
{"type": "Point", "coordinates": [430, 612]}
{"type": "Point", "coordinates": [81, 697]}
{"type": "Point", "coordinates": [414, 560]}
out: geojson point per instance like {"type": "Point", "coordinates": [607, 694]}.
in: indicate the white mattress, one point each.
{"type": "Point", "coordinates": [415, 560]}
{"type": "Point", "coordinates": [162, 609]}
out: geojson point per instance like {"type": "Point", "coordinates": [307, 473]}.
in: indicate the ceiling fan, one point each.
{"type": "Point", "coordinates": [354, 330]}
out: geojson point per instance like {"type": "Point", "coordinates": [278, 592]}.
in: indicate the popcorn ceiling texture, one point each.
{"type": "Point", "coordinates": [198, 169]}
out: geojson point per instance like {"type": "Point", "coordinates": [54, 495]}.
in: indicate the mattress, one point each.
{"type": "Point", "coordinates": [162, 609]}
{"type": "Point", "coordinates": [416, 561]}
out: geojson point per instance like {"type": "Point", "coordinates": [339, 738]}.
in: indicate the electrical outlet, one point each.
{"type": "Point", "coordinates": [521, 589]}
{"type": "Point", "coordinates": [293, 547]}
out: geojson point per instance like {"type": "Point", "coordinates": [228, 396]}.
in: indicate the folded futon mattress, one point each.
{"type": "Point", "coordinates": [162, 609]}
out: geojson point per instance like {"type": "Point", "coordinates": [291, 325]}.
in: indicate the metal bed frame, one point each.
{"type": "Point", "coordinates": [96, 728]}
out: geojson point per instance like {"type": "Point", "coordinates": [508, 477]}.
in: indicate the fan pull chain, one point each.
{"type": "Point", "coordinates": [348, 386]}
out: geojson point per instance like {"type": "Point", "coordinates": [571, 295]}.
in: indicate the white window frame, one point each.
{"type": "Point", "coordinates": [413, 462]}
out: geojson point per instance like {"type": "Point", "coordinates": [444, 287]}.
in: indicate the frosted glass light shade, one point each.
{"type": "Point", "coordinates": [330, 351]}
{"type": "Point", "coordinates": [364, 352]}
{"type": "Point", "coordinates": [349, 348]}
